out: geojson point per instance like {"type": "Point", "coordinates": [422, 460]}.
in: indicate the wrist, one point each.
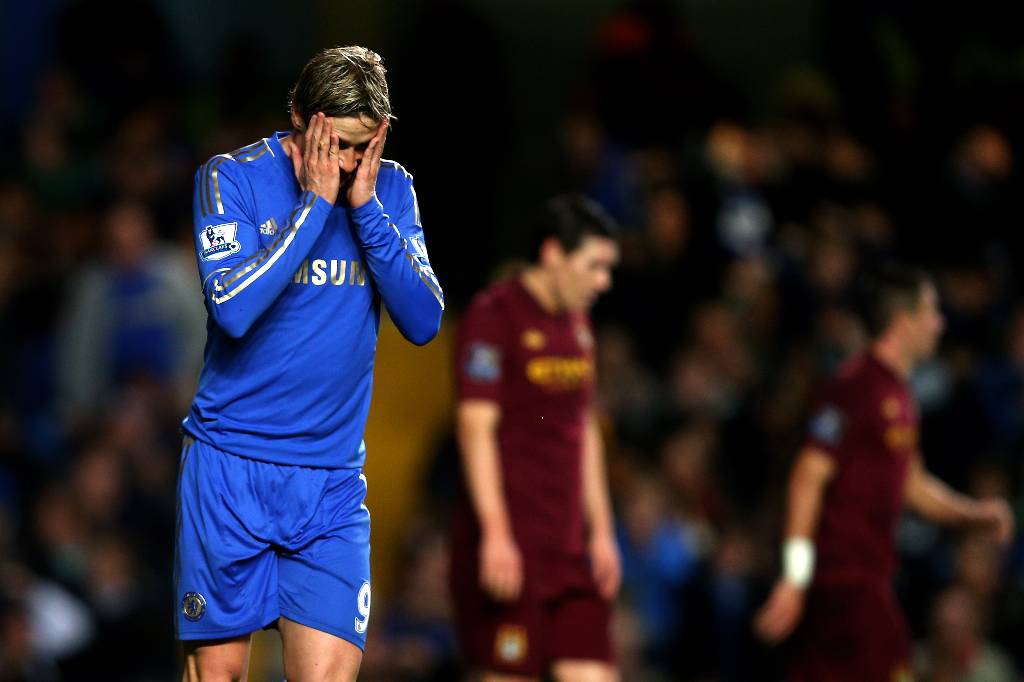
{"type": "Point", "coordinates": [798, 557]}
{"type": "Point", "coordinates": [368, 207]}
{"type": "Point", "coordinates": [495, 529]}
{"type": "Point", "coordinates": [601, 531]}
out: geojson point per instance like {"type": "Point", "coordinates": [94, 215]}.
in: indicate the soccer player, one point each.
{"type": "Point", "coordinates": [858, 468]}
{"type": "Point", "coordinates": [535, 563]}
{"type": "Point", "coordinates": [299, 237]}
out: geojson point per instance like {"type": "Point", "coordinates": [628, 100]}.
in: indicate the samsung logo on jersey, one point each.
{"type": "Point", "coordinates": [320, 271]}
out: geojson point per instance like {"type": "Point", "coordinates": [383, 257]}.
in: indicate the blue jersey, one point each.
{"type": "Point", "coordinates": [293, 287]}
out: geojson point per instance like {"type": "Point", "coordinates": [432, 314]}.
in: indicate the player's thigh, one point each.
{"type": "Point", "coordinates": [222, 660]}
{"type": "Point", "coordinates": [568, 670]}
{"type": "Point", "coordinates": [579, 639]}
{"type": "Point", "coordinates": [848, 634]}
{"type": "Point", "coordinates": [500, 641]}
{"type": "Point", "coordinates": [311, 655]}
{"type": "Point", "coordinates": [225, 576]}
{"type": "Point", "coordinates": [325, 584]}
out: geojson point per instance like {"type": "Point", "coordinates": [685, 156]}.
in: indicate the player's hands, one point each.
{"type": "Point", "coordinates": [996, 514]}
{"type": "Point", "coordinates": [777, 619]}
{"type": "Point", "coordinates": [316, 164]}
{"type": "Point", "coordinates": [501, 567]}
{"type": "Point", "coordinates": [605, 565]}
{"type": "Point", "coordinates": [364, 185]}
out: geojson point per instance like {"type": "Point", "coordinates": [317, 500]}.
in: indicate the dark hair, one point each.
{"type": "Point", "coordinates": [569, 218]}
{"type": "Point", "coordinates": [891, 289]}
{"type": "Point", "coordinates": [342, 81]}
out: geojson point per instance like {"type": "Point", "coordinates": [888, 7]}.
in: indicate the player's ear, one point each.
{"type": "Point", "coordinates": [551, 252]}
{"type": "Point", "coordinates": [297, 123]}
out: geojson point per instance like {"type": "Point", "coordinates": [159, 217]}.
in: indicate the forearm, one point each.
{"type": "Point", "coordinates": [237, 295]}
{"type": "Point", "coordinates": [936, 501]}
{"type": "Point", "coordinates": [805, 494]}
{"type": "Point", "coordinates": [401, 272]}
{"type": "Point", "coordinates": [597, 507]}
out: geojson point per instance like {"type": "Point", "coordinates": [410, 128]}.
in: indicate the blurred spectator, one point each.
{"type": "Point", "coordinates": [660, 554]}
{"type": "Point", "coordinates": [956, 650]}
{"type": "Point", "coordinates": [133, 316]}
{"type": "Point", "coordinates": [414, 638]}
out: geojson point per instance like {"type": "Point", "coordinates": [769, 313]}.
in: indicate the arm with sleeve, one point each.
{"type": "Point", "coordinates": [240, 279]}
{"type": "Point", "coordinates": [396, 256]}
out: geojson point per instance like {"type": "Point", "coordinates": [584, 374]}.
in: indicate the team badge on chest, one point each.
{"type": "Point", "coordinates": [891, 408]}
{"type": "Point", "coordinates": [533, 339]}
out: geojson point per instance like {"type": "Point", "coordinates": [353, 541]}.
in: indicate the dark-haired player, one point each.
{"type": "Point", "coordinates": [299, 238]}
{"type": "Point", "coordinates": [535, 563]}
{"type": "Point", "coordinates": [859, 467]}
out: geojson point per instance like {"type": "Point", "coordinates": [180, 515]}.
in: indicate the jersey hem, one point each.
{"type": "Point", "coordinates": [312, 463]}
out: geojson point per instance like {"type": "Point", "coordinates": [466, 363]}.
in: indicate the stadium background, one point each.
{"type": "Point", "coordinates": [759, 157]}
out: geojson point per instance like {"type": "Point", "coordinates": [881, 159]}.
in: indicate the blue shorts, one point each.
{"type": "Point", "coordinates": [256, 541]}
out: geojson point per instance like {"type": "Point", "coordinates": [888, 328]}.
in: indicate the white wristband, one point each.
{"type": "Point", "coordinates": [798, 561]}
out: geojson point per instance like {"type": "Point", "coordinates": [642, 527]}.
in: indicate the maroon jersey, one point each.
{"type": "Point", "coordinates": [539, 368]}
{"type": "Point", "coordinates": [868, 423]}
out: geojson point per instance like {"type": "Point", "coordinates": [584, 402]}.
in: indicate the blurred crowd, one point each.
{"type": "Point", "coordinates": [746, 224]}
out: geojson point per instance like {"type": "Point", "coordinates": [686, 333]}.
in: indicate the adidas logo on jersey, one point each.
{"type": "Point", "coordinates": [269, 227]}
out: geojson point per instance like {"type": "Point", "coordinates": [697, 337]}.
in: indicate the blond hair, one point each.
{"type": "Point", "coordinates": [342, 81]}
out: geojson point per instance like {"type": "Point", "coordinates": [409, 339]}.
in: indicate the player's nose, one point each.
{"type": "Point", "coordinates": [348, 160]}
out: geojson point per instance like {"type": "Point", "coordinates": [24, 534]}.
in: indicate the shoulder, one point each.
{"type": "Point", "coordinates": [393, 180]}
{"type": "Point", "coordinates": [852, 372]}
{"type": "Point", "coordinates": [247, 160]}
{"type": "Point", "coordinates": [497, 295]}
{"type": "Point", "coordinates": [394, 170]}
{"type": "Point", "coordinates": [489, 308]}
{"type": "Point", "coordinates": [841, 388]}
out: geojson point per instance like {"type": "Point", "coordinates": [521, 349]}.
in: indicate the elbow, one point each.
{"type": "Point", "coordinates": [234, 324]}
{"type": "Point", "coordinates": [423, 334]}
{"type": "Point", "coordinates": [421, 328]}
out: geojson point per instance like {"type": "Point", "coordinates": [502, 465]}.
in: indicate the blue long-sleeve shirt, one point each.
{"type": "Point", "coordinates": [293, 287]}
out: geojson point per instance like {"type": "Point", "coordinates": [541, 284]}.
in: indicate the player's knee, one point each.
{"type": "Point", "coordinates": [583, 671]}
{"type": "Point", "coordinates": [221, 663]}
{"type": "Point", "coordinates": [214, 672]}
{"type": "Point", "coordinates": [325, 674]}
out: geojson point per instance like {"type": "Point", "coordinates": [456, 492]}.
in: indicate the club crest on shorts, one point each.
{"type": "Point", "coordinates": [510, 644]}
{"type": "Point", "coordinates": [902, 673]}
{"type": "Point", "coordinates": [193, 605]}
{"type": "Point", "coordinates": [219, 241]}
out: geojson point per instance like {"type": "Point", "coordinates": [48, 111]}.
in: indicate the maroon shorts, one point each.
{"type": "Point", "coordinates": [559, 616]}
{"type": "Point", "coordinates": [851, 633]}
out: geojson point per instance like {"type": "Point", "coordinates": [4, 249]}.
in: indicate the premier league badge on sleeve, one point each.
{"type": "Point", "coordinates": [483, 363]}
{"type": "Point", "coordinates": [219, 241]}
{"type": "Point", "coordinates": [827, 426]}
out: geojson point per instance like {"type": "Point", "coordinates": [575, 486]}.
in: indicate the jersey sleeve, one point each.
{"type": "Point", "coordinates": [396, 256]}
{"type": "Point", "coordinates": [480, 352]}
{"type": "Point", "coordinates": [240, 280]}
{"type": "Point", "coordinates": [829, 427]}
